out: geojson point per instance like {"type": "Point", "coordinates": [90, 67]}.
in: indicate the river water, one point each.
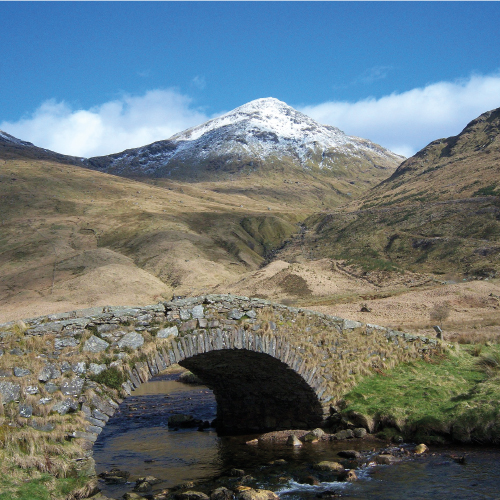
{"type": "Point", "coordinates": [137, 439]}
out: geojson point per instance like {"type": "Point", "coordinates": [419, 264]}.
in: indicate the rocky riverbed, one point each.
{"type": "Point", "coordinates": [147, 458]}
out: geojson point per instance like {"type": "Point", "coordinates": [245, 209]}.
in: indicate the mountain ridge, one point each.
{"type": "Point", "coordinates": [245, 138]}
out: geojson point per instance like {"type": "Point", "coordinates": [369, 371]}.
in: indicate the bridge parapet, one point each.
{"type": "Point", "coordinates": [270, 366]}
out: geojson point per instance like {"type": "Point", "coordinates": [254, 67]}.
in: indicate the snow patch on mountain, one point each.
{"type": "Point", "coordinates": [258, 130]}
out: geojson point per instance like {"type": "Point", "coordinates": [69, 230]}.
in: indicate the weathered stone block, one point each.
{"type": "Point", "coordinates": [167, 332]}
{"type": "Point", "coordinates": [9, 391]}
{"type": "Point", "coordinates": [21, 372]}
{"type": "Point", "coordinates": [72, 387]}
{"type": "Point", "coordinates": [61, 343]}
{"type": "Point", "coordinates": [66, 406]}
{"type": "Point", "coordinates": [132, 340]}
{"type": "Point", "coordinates": [95, 344]}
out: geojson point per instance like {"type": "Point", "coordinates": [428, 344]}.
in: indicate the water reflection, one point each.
{"type": "Point", "coordinates": [137, 439]}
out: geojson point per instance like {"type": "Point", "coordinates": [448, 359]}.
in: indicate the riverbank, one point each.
{"type": "Point", "coordinates": [452, 398]}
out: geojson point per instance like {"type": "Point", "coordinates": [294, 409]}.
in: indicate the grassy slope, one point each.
{"type": "Point", "coordinates": [73, 237]}
{"type": "Point", "coordinates": [439, 212]}
{"type": "Point", "coordinates": [442, 399]}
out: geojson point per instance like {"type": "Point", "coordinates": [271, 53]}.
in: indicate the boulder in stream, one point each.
{"type": "Point", "coordinates": [221, 494]}
{"type": "Point", "coordinates": [252, 494]}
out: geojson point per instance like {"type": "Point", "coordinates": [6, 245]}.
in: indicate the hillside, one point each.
{"type": "Point", "coordinates": [462, 166]}
{"type": "Point", "coordinates": [265, 142]}
{"type": "Point", "coordinates": [13, 148]}
{"type": "Point", "coordinates": [439, 212]}
{"type": "Point", "coordinates": [72, 238]}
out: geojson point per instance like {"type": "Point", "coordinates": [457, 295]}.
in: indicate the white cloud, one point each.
{"type": "Point", "coordinates": [129, 122]}
{"type": "Point", "coordinates": [408, 121]}
{"type": "Point", "coordinates": [403, 122]}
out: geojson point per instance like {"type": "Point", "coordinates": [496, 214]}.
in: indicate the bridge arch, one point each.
{"type": "Point", "coordinates": [270, 366]}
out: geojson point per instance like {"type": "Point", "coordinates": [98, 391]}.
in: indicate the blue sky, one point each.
{"type": "Point", "coordinates": [95, 78]}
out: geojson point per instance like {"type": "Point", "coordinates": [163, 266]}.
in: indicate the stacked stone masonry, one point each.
{"type": "Point", "coordinates": [270, 366]}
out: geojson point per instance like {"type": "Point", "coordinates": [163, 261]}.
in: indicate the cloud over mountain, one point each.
{"type": "Point", "coordinates": [402, 122]}
{"type": "Point", "coordinates": [407, 121]}
{"type": "Point", "coordinates": [129, 121]}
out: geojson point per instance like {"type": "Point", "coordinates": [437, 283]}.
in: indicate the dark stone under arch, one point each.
{"type": "Point", "coordinates": [255, 392]}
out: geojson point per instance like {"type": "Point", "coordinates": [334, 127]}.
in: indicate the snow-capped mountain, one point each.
{"type": "Point", "coordinates": [243, 140]}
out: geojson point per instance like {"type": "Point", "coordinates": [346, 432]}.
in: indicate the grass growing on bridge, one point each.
{"type": "Point", "coordinates": [456, 396]}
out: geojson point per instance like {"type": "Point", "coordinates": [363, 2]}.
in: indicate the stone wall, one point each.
{"type": "Point", "coordinates": [270, 366]}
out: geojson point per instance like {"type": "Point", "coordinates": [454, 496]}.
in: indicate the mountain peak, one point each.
{"type": "Point", "coordinates": [260, 132]}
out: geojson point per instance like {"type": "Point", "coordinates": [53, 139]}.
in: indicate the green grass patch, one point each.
{"type": "Point", "coordinates": [43, 487]}
{"type": "Point", "coordinates": [453, 396]}
{"type": "Point", "coordinates": [112, 377]}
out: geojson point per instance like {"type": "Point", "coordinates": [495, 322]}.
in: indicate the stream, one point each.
{"type": "Point", "coordinates": [138, 440]}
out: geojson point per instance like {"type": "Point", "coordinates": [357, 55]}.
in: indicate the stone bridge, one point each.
{"type": "Point", "coordinates": [270, 366]}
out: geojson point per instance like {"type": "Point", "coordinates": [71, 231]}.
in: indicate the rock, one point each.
{"type": "Point", "coordinates": [72, 387]}
{"type": "Point", "coordinates": [180, 420]}
{"type": "Point", "coordinates": [6, 373]}
{"type": "Point", "coordinates": [360, 420]}
{"type": "Point", "coordinates": [345, 434]}
{"type": "Point", "coordinates": [79, 368]}
{"type": "Point", "coordinates": [9, 391]}
{"type": "Point", "coordinates": [310, 438]}
{"type": "Point", "coordinates": [253, 442]}
{"type": "Point", "coordinates": [25, 411]}
{"type": "Point", "coordinates": [384, 459]}
{"type": "Point", "coordinates": [319, 433]}
{"type": "Point", "coordinates": [360, 432]}
{"type": "Point", "coordinates": [252, 494]}
{"type": "Point", "coordinates": [237, 472]}
{"type": "Point", "coordinates": [348, 475]}
{"type": "Point", "coordinates": [62, 342]}
{"type": "Point", "coordinates": [132, 340]}
{"type": "Point", "coordinates": [48, 372]}
{"type": "Point", "coordinates": [95, 369]}
{"type": "Point", "coordinates": [31, 389]}
{"type": "Point", "coordinates": [351, 325]}
{"type": "Point", "coordinates": [351, 454]}
{"type": "Point", "coordinates": [221, 494]}
{"type": "Point", "coordinates": [167, 332]}
{"type": "Point", "coordinates": [106, 328]}
{"type": "Point", "coordinates": [50, 387]}
{"type": "Point", "coordinates": [66, 406]}
{"type": "Point", "coordinates": [326, 466]}
{"type": "Point", "coordinates": [142, 487]}
{"type": "Point", "coordinates": [21, 372]}
{"type": "Point", "coordinates": [149, 479]}
{"type": "Point", "coordinates": [115, 476]}
{"type": "Point", "coordinates": [293, 440]}
{"type": "Point", "coordinates": [420, 448]}
{"type": "Point", "coordinates": [132, 496]}
{"type": "Point", "coordinates": [16, 352]}
{"type": "Point", "coordinates": [192, 495]}
{"type": "Point", "coordinates": [65, 367]}
{"type": "Point", "coordinates": [162, 495]}
{"type": "Point", "coordinates": [235, 314]}
{"type": "Point", "coordinates": [241, 488]}
{"type": "Point", "coordinates": [197, 312]}
{"type": "Point", "coordinates": [42, 427]}
{"type": "Point", "coordinates": [251, 314]}
{"type": "Point", "coordinates": [95, 344]}
{"type": "Point", "coordinates": [45, 401]}
{"type": "Point", "coordinates": [184, 314]}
